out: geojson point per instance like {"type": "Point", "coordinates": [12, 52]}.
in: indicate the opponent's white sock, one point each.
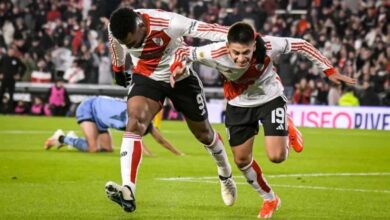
{"type": "Point", "coordinates": [217, 151]}
{"type": "Point", "coordinates": [254, 177]}
{"type": "Point", "coordinates": [131, 157]}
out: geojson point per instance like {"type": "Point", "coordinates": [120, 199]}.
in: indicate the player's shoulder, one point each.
{"type": "Point", "coordinates": [276, 44]}
{"type": "Point", "coordinates": [156, 13]}
{"type": "Point", "coordinates": [268, 40]}
{"type": "Point", "coordinates": [157, 19]}
{"type": "Point", "coordinates": [218, 49]}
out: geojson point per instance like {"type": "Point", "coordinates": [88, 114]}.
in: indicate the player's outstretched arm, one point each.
{"type": "Point", "coordinates": [338, 78]}
{"type": "Point", "coordinates": [285, 45]}
{"type": "Point", "coordinates": [146, 150]}
{"type": "Point", "coordinates": [163, 142]}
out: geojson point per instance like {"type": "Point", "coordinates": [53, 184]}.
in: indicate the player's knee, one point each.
{"type": "Point", "coordinates": [277, 157]}
{"type": "Point", "coordinates": [242, 161]}
{"type": "Point", "coordinates": [135, 124]}
{"type": "Point", "coordinates": [206, 136]}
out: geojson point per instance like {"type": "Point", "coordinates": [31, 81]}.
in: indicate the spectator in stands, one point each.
{"type": "Point", "coordinates": [54, 13]}
{"type": "Point", "coordinates": [334, 94]}
{"type": "Point", "coordinates": [58, 99]}
{"type": "Point", "coordinates": [232, 16]}
{"type": "Point", "coordinates": [348, 98]}
{"type": "Point", "coordinates": [11, 70]}
{"type": "Point", "coordinates": [41, 75]}
{"type": "Point", "coordinates": [369, 97]}
{"type": "Point", "coordinates": [302, 93]}
{"type": "Point", "coordinates": [77, 34]}
{"type": "Point", "coordinates": [36, 50]}
{"type": "Point", "coordinates": [74, 74]}
{"type": "Point", "coordinates": [104, 69]}
{"type": "Point", "coordinates": [286, 74]}
{"type": "Point", "coordinates": [351, 34]}
{"type": "Point", "coordinates": [89, 63]}
{"type": "Point", "coordinates": [322, 93]}
{"type": "Point", "coordinates": [30, 64]}
{"type": "Point", "coordinates": [62, 58]}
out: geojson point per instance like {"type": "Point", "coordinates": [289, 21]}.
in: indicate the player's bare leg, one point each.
{"type": "Point", "coordinates": [91, 135]}
{"type": "Point", "coordinates": [105, 142]}
{"type": "Point", "coordinates": [141, 111]}
{"type": "Point", "coordinates": [88, 143]}
{"type": "Point", "coordinates": [252, 172]}
{"type": "Point", "coordinates": [277, 148]}
{"type": "Point", "coordinates": [214, 145]}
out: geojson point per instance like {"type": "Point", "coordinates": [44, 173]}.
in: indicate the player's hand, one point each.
{"type": "Point", "coordinates": [177, 73]}
{"type": "Point", "coordinates": [338, 78]}
{"type": "Point", "coordinates": [122, 78]}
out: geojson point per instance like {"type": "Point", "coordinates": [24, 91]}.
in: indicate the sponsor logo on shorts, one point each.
{"type": "Point", "coordinates": [280, 127]}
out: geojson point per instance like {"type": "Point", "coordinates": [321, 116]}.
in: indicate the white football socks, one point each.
{"type": "Point", "coordinates": [131, 157]}
{"type": "Point", "coordinates": [254, 176]}
{"type": "Point", "coordinates": [217, 151]}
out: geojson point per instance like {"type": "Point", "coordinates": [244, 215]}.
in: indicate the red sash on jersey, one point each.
{"type": "Point", "coordinates": [155, 44]}
{"type": "Point", "coordinates": [232, 89]}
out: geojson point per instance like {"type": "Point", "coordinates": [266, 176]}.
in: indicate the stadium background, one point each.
{"type": "Point", "coordinates": [52, 37]}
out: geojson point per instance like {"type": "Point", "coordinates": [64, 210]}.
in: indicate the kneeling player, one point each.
{"type": "Point", "coordinates": [95, 116]}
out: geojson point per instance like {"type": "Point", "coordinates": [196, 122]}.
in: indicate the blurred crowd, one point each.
{"type": "Point", "coordinates": [51, 40]}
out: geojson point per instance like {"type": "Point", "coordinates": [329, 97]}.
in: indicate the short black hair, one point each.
{"type": "Point", "coordinates": [244, 33]}
{"type": "Point", "coordinates": [241, 32]}
{"type": "Point", "coordinates": [122, 21]}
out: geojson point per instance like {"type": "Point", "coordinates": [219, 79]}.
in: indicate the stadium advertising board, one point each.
{"type": "Point", "coordinates": [376, 118]}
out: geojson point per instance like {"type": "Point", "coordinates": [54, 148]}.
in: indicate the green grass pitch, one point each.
{"type": "Point", "coordinates": [341, 174]}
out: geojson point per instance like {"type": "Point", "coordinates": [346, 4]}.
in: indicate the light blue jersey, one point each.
{"type": "Point", "coordinates": [106, 112]}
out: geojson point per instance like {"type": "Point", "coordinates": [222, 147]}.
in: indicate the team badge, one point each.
{"type": "Point", "coordinates": [158, 41]}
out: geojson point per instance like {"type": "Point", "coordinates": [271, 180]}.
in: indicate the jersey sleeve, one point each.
{"type": "Point", "coordinates": [118, 53]}
{"type": "Point", "coordinates": [187, 54]}
{"type": "Point", "coordinates": [283, 45]}
{"type": "Point", "coordinates": [182, 26]}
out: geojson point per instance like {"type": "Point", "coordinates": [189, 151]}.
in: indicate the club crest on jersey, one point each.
{"type": "Point", "coordinates": [158, 41]}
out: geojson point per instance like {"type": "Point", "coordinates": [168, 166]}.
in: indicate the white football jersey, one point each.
{"type": "Point", "coordinates": [257, 84]}
{"type": "Point", "coordinates": [165, 31]}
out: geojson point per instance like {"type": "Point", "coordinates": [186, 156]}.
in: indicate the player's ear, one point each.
{"type": "Point", "coordinates": [227, 45]}
{"type": "Point", "coordinates": [254, 46]}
